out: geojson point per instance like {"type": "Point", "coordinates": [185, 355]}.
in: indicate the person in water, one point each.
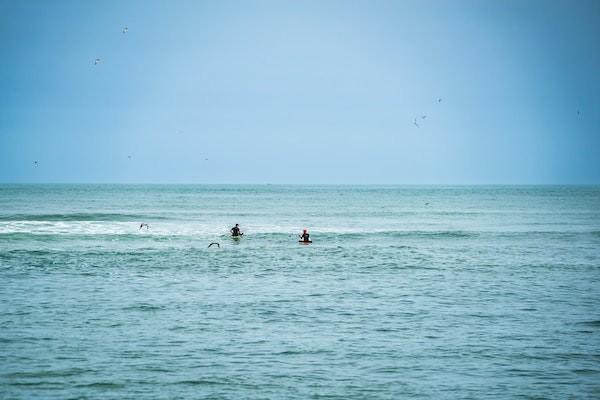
{"type": "Point", "coordinates": [305, 236]}
{"type": "Point", "coordinates": [235, 231]}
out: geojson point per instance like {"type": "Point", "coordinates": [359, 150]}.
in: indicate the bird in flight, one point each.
{"type": "Point", "coordinates": [218, 245]}
{"type": "Point", "coordinates": [125, 29]}
{"type": "Point", "coordinates": [440, 100]}
{"type": "Point", "coordinates": [415, 123]}
{"type": "Point", "coordinates": [35, 163]}
{"type": "Point", "coordinates": [129, 157]}
{"type": "Point", "coordinates": [97, 61]}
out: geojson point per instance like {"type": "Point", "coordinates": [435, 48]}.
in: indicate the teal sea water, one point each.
{"type": "Point", "coordinates": [406, 292]}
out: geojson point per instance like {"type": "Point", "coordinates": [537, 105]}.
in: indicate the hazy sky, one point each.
{"type": "Point", "coordinates": [300, 91]}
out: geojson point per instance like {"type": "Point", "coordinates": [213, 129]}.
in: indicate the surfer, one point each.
{"type": "Point", "coordinates": [305, 236]}
{"type": "Point", "coordinates": [235, 231]}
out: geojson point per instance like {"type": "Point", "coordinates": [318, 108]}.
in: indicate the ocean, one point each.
{"type": "Point", "coordinates": [407, 292]}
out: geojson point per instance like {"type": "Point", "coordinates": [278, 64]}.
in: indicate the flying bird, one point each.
{"type": "Point", "coordinates": [218, 245]}
{"type": "Point", "coordinates": [129, 157]}
{"type": "Point", "coordinates": [423, 116]}
{"type": "Point", "coordinates": [415, 123]}
{"type": "Point", "coordinates": [97, 61]}
{"type": "Point", "coordinates": [142, 225]}
{"type": "Point", "coordinates": [35, 163]}
{"type": "Point", "coordinates": [440, 100]}
{"type": "Point", "coordinates": [125, 29]}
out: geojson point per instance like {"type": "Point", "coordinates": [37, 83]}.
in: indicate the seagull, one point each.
{"type": "Point", "coordinates": [423, 116]}
{"type": "Point", "coordinates": [415, 123]}
{"type": "Point", "coordinates": [125, 29]}
{"type": "Point", "coordinates": [144, 225]}
{"type": "Point", "coordinates": [218, 245]}
{"type": "Point", "coordinates": [578, 112]}
{"type": "Point", "coordinates": [97, 61]}
{"type": "Point", "coordinates": [129, 157]}
{"type": "Point", "coordinates": [440, 100]}
{"type": "Point", "coordinates": [35, 163]}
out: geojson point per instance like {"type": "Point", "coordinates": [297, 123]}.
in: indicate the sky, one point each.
{"type": "Point", "coordinates": [382, 92]}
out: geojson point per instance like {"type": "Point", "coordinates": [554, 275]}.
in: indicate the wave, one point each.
{"type": "Point", "coordinates": [79, 217]}
{"type": "Point", "coordinates": [58, 373]}
{"type": "Point", "coordinates": [362, 234]}
{"type": "Point", "coordinates": [128, 230]}
{"type": "Point", "coordinates": [60, 236]}
{"type": "Point", "coordinates": [594, 323]}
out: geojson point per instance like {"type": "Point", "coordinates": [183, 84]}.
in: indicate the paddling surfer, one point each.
{"type": "Point", "coordinates": [235, 231]}
{"type": "Point", "coordinates": [305, 237]}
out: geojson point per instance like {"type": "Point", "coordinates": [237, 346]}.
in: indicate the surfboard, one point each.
{"type": "Point", "coordinates": [303, 242]}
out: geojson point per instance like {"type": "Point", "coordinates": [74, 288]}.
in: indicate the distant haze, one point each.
{"type": "Point", "coordinates": [417, 92]}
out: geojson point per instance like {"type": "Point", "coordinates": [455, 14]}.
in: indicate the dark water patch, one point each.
{"type": "Point", "coordinates": [18, 313]}
{"type": "Point", "coordinates": [436, 234]}
{"type": "Point", "coordinates": [399, 247]}
{"type": "Point", "coordinates": [179, 328]}
{"type": "Point", "coordinates": [385, 330]}
{"type": "Point", "coordinates": [349, 236]}
{"type": "Point", "coordinates": [586, 371]}
{"type": "Point", "coordinates": [46, 373]}
{"type": "Point", "coordinates": [155, 369]}
{"type": "Point", "coordinates": [388, 370]}
{"type": "Point", "coordinates": [572, 356]}
{"type": "Point", "coordinates": [27, 236]}
{"type": "Point", "coordinates": [593, 323]}
{"type": "Point", "coordinates": [144, 307]}
{"type": "Point", "coordinates": [21, 252]}
{"type": "Point", "coordinates": [38, 384]}
{"type": "Point", "coordinates": [531, 234]}
{"type": "Point", "coordinates": [302, 352]}
{"type": "Point", "coordinates": [61, 256]}
{"type": "Point", "coordinates": [481, 315]}
{"type": "Point", "coordinates": [200, 382]}
{"type": "Point", "coordinates": [382, 235]}
{"type": "Point", "coordinates": [101, 385]}
{"type": "Point", "coordinates": [61, 217]}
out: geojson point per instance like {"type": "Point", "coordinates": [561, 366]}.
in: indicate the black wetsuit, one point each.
{"type": "Point", "coordinates": [305, 237]}
{"type": "Point", "coordinates": [235, 231]}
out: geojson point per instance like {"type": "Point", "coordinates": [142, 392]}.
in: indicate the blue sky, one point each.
{"type": "Point", "coordinates": [300, 92]}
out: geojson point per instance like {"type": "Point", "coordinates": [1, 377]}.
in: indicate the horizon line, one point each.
{"type": "Point", "coordinates": [293, 184]}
